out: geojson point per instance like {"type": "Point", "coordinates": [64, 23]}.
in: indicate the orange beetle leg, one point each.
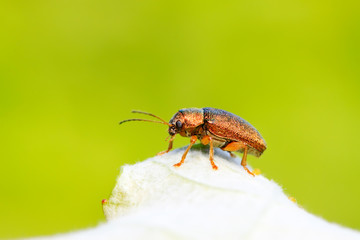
{"type": "Point", "coordinates": [243, 162]}
{"type": "Point", "coordinates": [235, 146]}
{"type": "Point", "coordinates": [192, 141]}
{"type": "Point", "coordinates": [170, 146]}
{"type": "Point", "coordinates": [205, 140]}
{"type": "Point", "coordinates": [212, 154]}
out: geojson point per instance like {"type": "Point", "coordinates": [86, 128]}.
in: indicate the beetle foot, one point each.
{"type": "Point", "coordinates": [178, 164]}
{"type": "Point", "coordinates": [161, 153]}
{"type": "Point", "coordinates": [214, 167]}
{"type": "Point", "coordinates": [251, 173]}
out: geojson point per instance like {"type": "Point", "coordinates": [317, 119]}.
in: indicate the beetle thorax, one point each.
{"type": "Point", "coordinates": [193, 117]}
{"type": "Point", "coordinates": [186, 121]}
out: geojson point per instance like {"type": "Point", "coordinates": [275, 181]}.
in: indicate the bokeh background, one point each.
{"type": "Point", "coordinates": [71, 70]}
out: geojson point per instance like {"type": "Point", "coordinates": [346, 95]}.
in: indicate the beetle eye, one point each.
{"type": "Point", "coordinates": [178, 124]}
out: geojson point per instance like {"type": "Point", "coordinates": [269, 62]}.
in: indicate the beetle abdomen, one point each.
{"type": "Point", "coordinates": [232, 127]}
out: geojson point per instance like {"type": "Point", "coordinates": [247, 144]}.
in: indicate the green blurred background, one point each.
{"type": "Point", "coordinates": [71, 70]}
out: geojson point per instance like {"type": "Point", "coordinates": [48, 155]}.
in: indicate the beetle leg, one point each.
{"type": "Point", "coordinates": [170, 146]}
{"type": "Point", "coordinates": [243, 161]}
{"type": "Point", "coordinates": [212, 154]}
{"type": "Point", "coordinates": [192, 141]}
{"type": "Point", "coordinates": [235, 146]}
{"type": "Point", "coordinates": [205, 140]}
{"type": "Point", "coordinates": [231, 154]}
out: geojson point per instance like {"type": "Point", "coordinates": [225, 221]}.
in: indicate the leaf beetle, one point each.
{"type": "Point", "coordinates": [215, 127]}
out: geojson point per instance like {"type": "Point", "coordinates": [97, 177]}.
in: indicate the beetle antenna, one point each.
{"type": "Point", "coordinates": [145, 120]}
{"type": "Point", "coordinates": [150, 114]}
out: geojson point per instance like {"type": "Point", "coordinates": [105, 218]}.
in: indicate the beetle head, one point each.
{"type": "Point", "coordinates": [186, 120]}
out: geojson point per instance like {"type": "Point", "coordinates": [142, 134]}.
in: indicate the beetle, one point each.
{"type": "Point", "coordinates": [215, 127]}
